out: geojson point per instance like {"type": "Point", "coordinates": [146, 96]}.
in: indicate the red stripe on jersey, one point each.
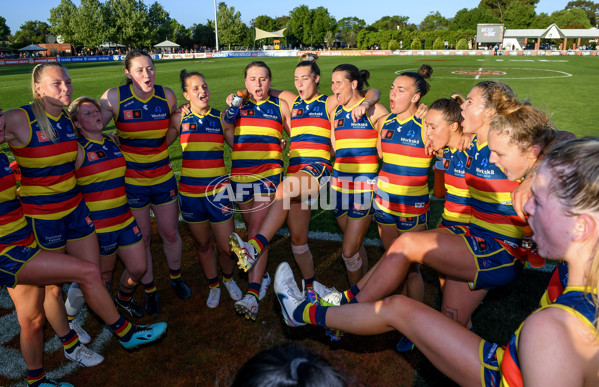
{"type": "Point", "coordinates": [403, 208]}
{"type": "Point", "coordinates": [144, 174]}
{"type": "Point", "coordinates": [406, 181]}
{"type": "Point", "coordinates": [355, 134]}
{"type": "Point", "coordinates": [142, 126]}
{"type": "Point", "coordinates": [51, 149]}
{"type": "Point", "coordinates": [510, 371]}
{"type": "Point", "coordinates": [353, 185]}
{"type": "Point", "coordinates": [457, 208]}
{"type": "Point", "coordinates": [256, 146]}
{"type": "Point", "coordinates": [514, 220]}
{"type": "Point", "coordinates": [93, 169]}
{"type": "Point", "coordinates": [309, 145]}
{"type": "Point", "coordinates": [244, 171]}
{"type": "Point", "coordinates": [12, 216]}
{"type": "Point", "coordinates": [216, 163]}
{"type": "Point", "coordinates": [51, 208]}
{"type": "Point", "coordinates": [7, 181]}
{"type": "Point", "coordinates": [47, 180]}
{"type": "Point", "coordinates": [311, 121]}
{"type": "Point", "coordinates": [371, 159]}
{"type": "Point", "coordinates": [105, 194]}
{"type": "Point", "coordinates": [404, 150]}
{"type": "Point", "coordinates": [142, 150]}
{"type": "Point", "coordinates": [491, 185]}
{"type": "Point", "coordinates": [103, 223]}
{"type": "Point", "coordinates": [260, 122]}
{"type": "Point", "coordinates": [201, 137]}
{"type": "Point", "coordinates": [188, 188]}
{"type": "Point", "coordinates": [454, 181]}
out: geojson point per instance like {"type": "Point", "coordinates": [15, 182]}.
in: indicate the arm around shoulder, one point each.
{"type": "Point", "coordinates": [109, 104]}
{"type": "Point", "coordinates": [16, 131]}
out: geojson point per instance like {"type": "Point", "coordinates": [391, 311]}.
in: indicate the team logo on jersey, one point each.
{"type": "Point", "coordinates": [411, 133]}
{"type": "Point", "coordinates": [360, 207]}
{"type": "Point", "coordinates": [193, 126]}
{"type": "Point", "coordinates": [132, 114]}
{"type": "Point", "coordinates": [185, 126]}
{"type": "Point", "coordinates": [387, 134]}
{"type": "Point", "coordinates": [484, 163]}
{"type": "Point", "coordinates": [88, 220]}
{"type": "Point", "coordinates": [136, 230]}
{"type": "Point", "coordinates": [225, 209]}
{"type": "Point", "coordinates": [339, 122]}
{"type": "Point", "coordinates": [446, 163]}
{"type": "Point", "coordinates": [247, 112]}
{"type": "Point", "coordinates": [42, 137]}
{"type": "Point", "coordinates": [297, 112]}
{"type": "Point", "coordinates": [469, 162]}
{"type": "Point", "coordinates": [173, 193]}
{"type": "Point", "coordinates": [158, 109]}
{"type": "Point", "coordinates": [93, 156]}
{"type": "Point", "coordinates": [482, 244]}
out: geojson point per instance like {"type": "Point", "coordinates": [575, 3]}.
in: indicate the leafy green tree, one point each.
{"type": "Point", "coordinates": [231, 30]}
{"type": "Point", "coordinates": [434, 21]}
{"type": "Point", "coordinates": [518, 15]}
{"type": "Point", "coordinates": [392, 23]}
{"type": "Point", "coordinates": [31, 32]}
{"type": "Point", "coordinates": [393, 45]}
{"type": "Point", "coordinates": [589, 7]}
{"type": "Point", "coordinates": [129, 24]}
{"type": "Point", "coordinates": [438, 44]}
{"type": "Point", "coordinates": [542, 20]}
{"type": "Point", "coordinates": [203, 34]}
{"type": "Point", "coordinates": [300, 24]}
{"type": "Point", "coordinates": [265, 23]}
{"type": "Point", "coordinates": [329, 39]}
{"type": "Point", "coordinates": [161, 24]}
{"type": "Point", "coordinates": [469, 18]}
{"type": "Point", "coordinates": [462, 44]}
{"type": "Point", "coordinates": [498, 7]}
{"type": "Point", "coordinates": [570, 17]}
{"type": "Point", "coordinates": [348, 29]}
{"type": "Point", "coordinates": [322, 22]}
{"type": "Point", "coordinates": [4, 29]}
{"type": "Point", "coordinates": [416, 44]}
{"type": "Point", "coordinates": [180, 35]}
{"type": "Point", "coordinates": [63, 20]}
{"type": "Point", "coordinates": [91, 23]}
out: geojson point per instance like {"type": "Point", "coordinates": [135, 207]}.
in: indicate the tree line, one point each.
{"type": "Point", "coordinates": [134, 24]}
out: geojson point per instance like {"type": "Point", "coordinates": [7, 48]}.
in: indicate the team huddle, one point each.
{"type": "Point", "coordinates": [86, 197]}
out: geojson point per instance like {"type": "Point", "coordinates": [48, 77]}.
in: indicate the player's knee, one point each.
{"type": "Point", "coordinates": [89, 274]}
{"type": "Point", "coordinates": [353, 262]}
{"type": "Point", "coordinates": [299, 248]}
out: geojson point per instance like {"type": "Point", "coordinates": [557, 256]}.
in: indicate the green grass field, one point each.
{"type": "Point", "coordinates": [206, 347]}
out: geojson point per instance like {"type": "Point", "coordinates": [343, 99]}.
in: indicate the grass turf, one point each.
{"type": "Point", "coordinates": [206, 347]}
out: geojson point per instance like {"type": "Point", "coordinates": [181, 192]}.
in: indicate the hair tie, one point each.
{"type": "Point", "coordinates": [309, 58]}
{"type": "Point", "coordinates": [294, 365]}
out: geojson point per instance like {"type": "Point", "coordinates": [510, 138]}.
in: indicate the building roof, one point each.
{"type": "Point", "coordinates": [553, 32]}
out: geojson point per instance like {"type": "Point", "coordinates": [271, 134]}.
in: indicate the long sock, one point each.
{"type": "Point", "coordinates": [149, 287]}
{"type": "Point", "coordinates": [227, 276]}
{"type": "Point", "coordinates": [123, 329]}
{"type": "Point", "coordinates": [254, 289]}
{"type": "Point", "coordinates": [70, 341]}
{"type": "Point", "coordinates": [175, 274]}
{"type": "Point", "coordinates": [309, 283]}
{"type": "Point", "coordinates": [310, 313]}
{"type": "Point", "coordinates": [349, 296]}
{"type": "Point", "coordinates": [124, 295]}
{"type": "Point", "coordinates": [260, 242]}
{"type": "Point", "coordinates": [35, 377]}
{"type": "Point", "coordinates": [213, 283]}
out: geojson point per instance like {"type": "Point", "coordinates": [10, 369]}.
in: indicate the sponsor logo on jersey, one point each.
{"type": "Point", "coordinates": [446, 163]}
{"type": "Point", "coordinates": [339, 123]}
{"type": "Point", "coordinates": [247, 113]}
{"type": "Point", "coordinates": [388, 134]}
{"type": "Point", "coordinates": [469, 162]}
{"type": "Point", "coordinates": [41, 137]}
{"type": "Point", "coordinates": [132, 114]}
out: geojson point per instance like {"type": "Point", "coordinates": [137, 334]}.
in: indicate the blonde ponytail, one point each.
{"type": "Point", "coordinates": [38, 107]}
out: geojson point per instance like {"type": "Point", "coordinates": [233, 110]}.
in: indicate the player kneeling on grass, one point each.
{"type": "Point", "coordinates": [26, 269]}
{"type": "Point", "coordinates": [100, 172]}
{"type": "Point", "coordinates": [557, 345]}
{"type": "Point", "coordinates": [204, 179]}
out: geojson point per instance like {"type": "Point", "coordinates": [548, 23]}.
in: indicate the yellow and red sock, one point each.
{"type": "Point", "coordinates": [260, 242]}
{"type": "Point", "coordinates": [175, 274]}
{"type": "Point", "coordinates": [122, 328]}
{"type": "Point", "coordinates": [309, 283]}
{"type": "Point", "coordinates": [213, 283]}
{"type": "Point", "coordinates": [35, 377]}
{"type": "Point", "coordinates": [149, 287]}
{"type": "Point", "coordinates": [349, 296]}
{"type": "Point", "coordinates": [254, 289]}
{"type": "Point", "coordinates": [227, 276]}
{"type": "Point", "coordinates": [311, 313]}
{"type": "Point", "coordinates": [70, 341]}
{"type": "Point", "coordinates": [124, 295]}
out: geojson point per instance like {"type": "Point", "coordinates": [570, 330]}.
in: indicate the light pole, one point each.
{"type": "Point", "coordinates": [311, 33]}
{"type": "Point", "coordinates": [215, 26]}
